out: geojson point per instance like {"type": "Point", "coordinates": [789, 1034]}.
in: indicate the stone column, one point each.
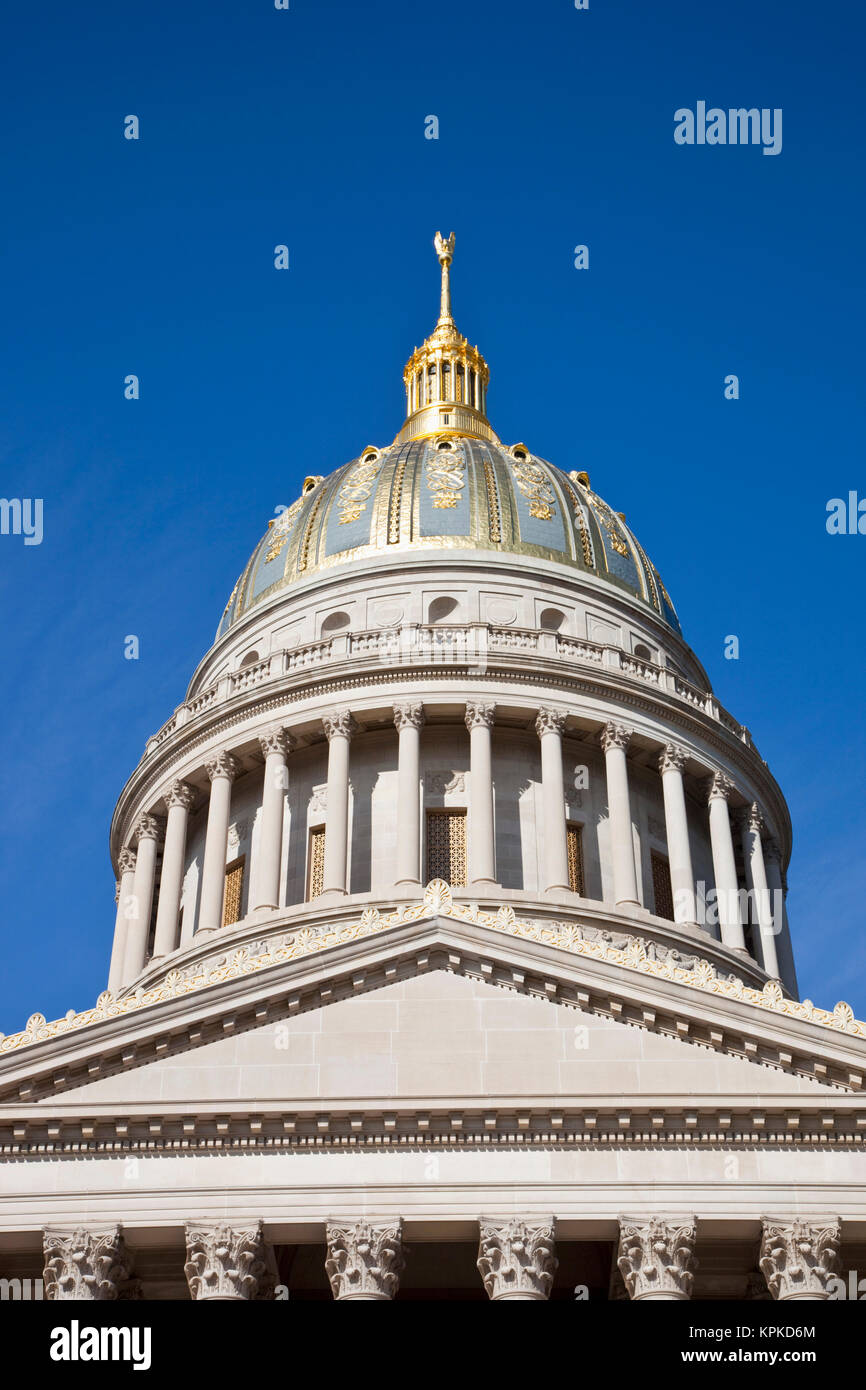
{"type": "Point", "coordinates": [777, 887]}
{"type": "Point", "coordinates": [799, 1257]}
{"type": "Point", "coordinates": [724, 864]}
{"type": "Point", "coordinates": [125, 906]}
{"type": "Point", "coordinates": [178, 799]}
{"type": "Point", "coordinates": [84, 1263]}
{"type": "Point", "coordinates": [339, 727]}
{"type": "Point", "coordinates": [751, 827]}
{"type": "Point", "coordinates": [408, 718]}
{"type": "Point", "coordinates": [657, 1256]}
{"type": "Point", "coordinates": [614, 741]}
{"type": "Point", "coordinates": [224, 1262]}
{"type": "Point", "coordinates": [365, 1259]}
{"type": "Point", "coordinates": [222, 770]}
{"type": "Point", "coordinates": [276, 744]}
{"type": "Point", "coordinates": [516, 1258]}
{"type": "Point", "coordinates": [549, 726]}
{"type": "Point", "coordinates": [671, 764]}
{"type": "Point", "coordinates": [141, 907]}
{"type": "Point", "coordinates": [482, 853]}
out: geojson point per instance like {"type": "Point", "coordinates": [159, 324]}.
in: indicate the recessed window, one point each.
{"type": "Point", "coordinates": [574, 843]}
{"type": "Point", "coordinates": [551, 620]}
{"type": "Point", "coordinates": [234, 892]}
{"type": "Point", "coordinates": [441, 609]}
{"type": "Point", "coordinates": [446, 847]}
{"type": "Point", "coordinates": [643, 651]}
{"type": "Point", "coordinates": [250, 659]}
{"type": "Point", "coordinates": [663, 897]}
{"type": "Point", "coordinates": [316, 862]}
{"type": "Point", "coordinates": [335, 622]}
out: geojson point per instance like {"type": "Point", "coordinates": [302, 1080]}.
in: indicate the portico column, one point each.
{"type": "Point", "coordinates": [365, 1260]}
{"type": "Point", "coordinates": [671, 764]}
{"type": "Point", "coordinates": [724, 864]}
{"type": "Point", "coordinates": [276, 745]}
{"type": "Point", "coordinates": [125, 906]}
{"type": "Point", "coordinates": [777, 886]}
{"type": "Point", "coordinates": [482, 854]}
{"type": "Point", "coordinates": [224, 1262]}
{"type": "Point", "coordinates": [657, 1256]}
{"type": "Point", "coordinates": [408, 718]}
{"type": "Point", "coordinates": [799, 1257]}
{"type": "Point", "coordinates": [549, 726]}
{"type": "Point", "coordinates": [615, 740]}
{"type": "Point", "coordinates": [516, 1259]}
{"type": "Point", "coordinates": [84, 1263]}
{"type": "Point", "coordinates": [141, 907]}
{"type": "Point", "coordinates": [751, 826]}
{"type": "Point", "coordinates": [339, 727]}
{"type": "Point", "coordinates": [178, 799]}
{"type": "Point", "coordinates": [222, 771]}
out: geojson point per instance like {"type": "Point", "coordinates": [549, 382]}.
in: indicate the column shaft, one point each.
{"type": "Point", "coordinates": [677, 830]}
{"type": "Point", "coordinates": [549, 726]}
{"type": "Point", "coordinates": [408, 719]}
{"type": "Point", "coordinates": [615, 740]}
{"type": "Point", "coordinates": [221, 771]}
{"type": "Point", "coordinates": [126, 865]}
{"type": "Point", "coordinates": [756, 882]}
{"type": "Point", "coordinates": [179, 799]}
{"type": "Point", "coordinates": [142, 900]}
{"type": "Point", "coordinates": [724, 865]}
{"type": "Point", "coordinates": [482, 850]}
{"type": "Point", "coordinates": [275, 746]}
{"type": "Point", "coordinates": [339, 727]}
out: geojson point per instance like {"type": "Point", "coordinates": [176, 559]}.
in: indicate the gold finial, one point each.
{"type": "Point", "coordinates": [445, 252]}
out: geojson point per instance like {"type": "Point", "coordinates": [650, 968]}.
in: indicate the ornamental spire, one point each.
{"type": "Point", "coordinates": [446, 377]}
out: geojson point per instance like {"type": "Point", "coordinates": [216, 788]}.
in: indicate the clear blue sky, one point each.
{"type": "Point", "coordinates": [306, 127]}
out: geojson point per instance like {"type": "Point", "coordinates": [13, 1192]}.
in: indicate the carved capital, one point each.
{"type": "Point", "coordinates": [147, 828]}
{"type": "Point", "coordinates": [749, 818]}
{"type": "Point", "coordinates": [479, 714]}
{"type": "Point", "coordinates": [224, 1261]}
{"type": "Point", "coordinates": [615, 736]}
{"type": "Point", "coordinates": [276, 740]}
{"type": "Point", "coordinates": [179, 794]}
{"type": "Point", "coordinates": [126, 861]}
{"type": "Point", "coordinates": [338, 723]}
{"type": "Point", "coordinates": [656, 1256]}
{"type": "Point", "coordinates": [516, 1259]}
{"type": "Point", "coordinates": [672, 758]}
{"type": "Point", "coordinates": [409, 715]}
{"type": "Point", "coordinates": [550, 721]}
{"type": "Point", "coordinates": [85, 1263]}
{"type": "Point", "coordinates": [799, 1258]}
{"type": "Point", "coordinates": [719, 787]}
{"type": "Point", "coordinates": [365, 1260]}
{"type": "Point", "coordinates": [222, 765]}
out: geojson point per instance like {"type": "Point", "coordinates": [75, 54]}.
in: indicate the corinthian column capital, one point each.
{"type": "Point", "coordinates": [179, 794]}
{"type": "Point", "coordinates": [479, 714]}
{"type": "Point", "coordinates": [409, 715]}
{"type": "Point", "coordinates": [276, 740]}
{"type": "Point", "coordinates": [338, 723]}
{"type": "Point", "coordinates": [365, 1260]}
{"type": "Point", "coordinates": [672, 758]}
{"type": "Point", "coordinates": [719, 787]}
{"type": "Point", "coordinates": [84, 1263]}
{"type": "Point", "coordinates": [222, 765]}
{"type": "Point", "coordinates": [516, 1258]}
{"type": "Point", "coordinates": [615, 736]}
{"type": "Point", "coordinates": [656, 1256]}
{"type": "Point", "coordinates": [224, 1261]}
{"type": "Point", "coordinates": [550, 721]}
{"type": "Point", "coordinates": [798, 1258]}
{"type": "Point", "coordinates": [126, 861]}
{"type": "Point", "coordinates": [147, 828]}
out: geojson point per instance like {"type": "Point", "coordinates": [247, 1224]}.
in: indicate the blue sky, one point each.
{"type": "Point", "coordinates": [306, 127]}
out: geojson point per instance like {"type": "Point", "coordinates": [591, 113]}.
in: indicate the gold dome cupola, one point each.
{"type": "Point", "coordinates": [446, 377]}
